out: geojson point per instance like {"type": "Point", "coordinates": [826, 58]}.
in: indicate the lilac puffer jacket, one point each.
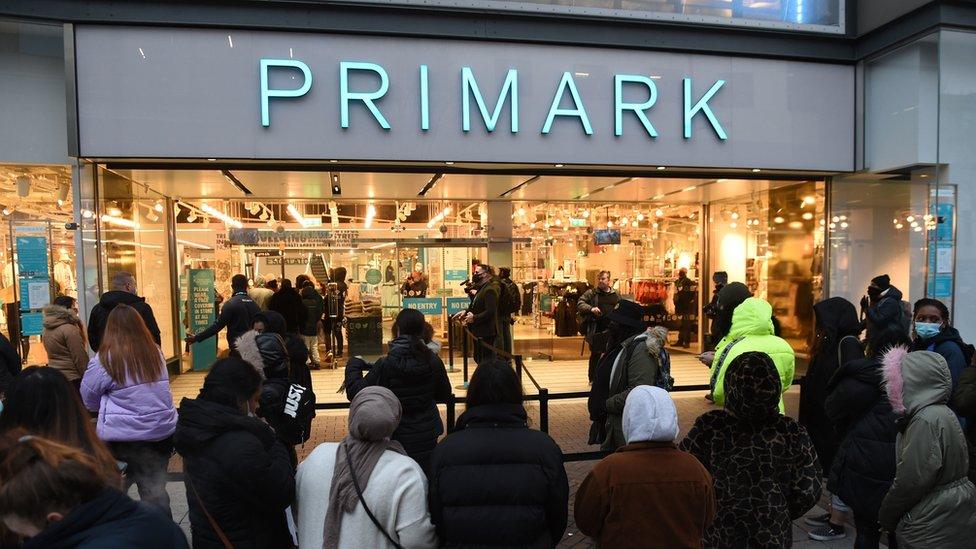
{"type": "Point", "coordinates": [129, 412]}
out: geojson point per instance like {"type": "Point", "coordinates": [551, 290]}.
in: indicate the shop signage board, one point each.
{"type": "Point", "coordinates": [428, 305]}
{"type": "Point", "coordinates": [201, 305]}
{"type": "Point", "coordinates": [34, 277]}
{"type": "Point", "coordinates": [941, 252]}
{"type": "Point", "coordinates": [266, 95]}
{"type": "Point", "coordinates": [457, 304]}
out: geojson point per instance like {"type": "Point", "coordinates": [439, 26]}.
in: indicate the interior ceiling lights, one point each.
{"type": "Point", "coordinates": [214, 212]}
{"type": "Point", "coordinates": [336, 185]}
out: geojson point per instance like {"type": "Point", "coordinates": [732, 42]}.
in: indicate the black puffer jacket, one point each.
{"type": "Point", "coordinates": [288, 303]}
{"type": "Point", "coordinates": [864, 466]}
{"type": "Point", "coordinates": [418, 378]}
{"type": "Point", "coordinates": [495, 482]}
{"type": "Point", "coordinates": [240, 470]}
{"type": "Point", "coordinates": [297, 351]}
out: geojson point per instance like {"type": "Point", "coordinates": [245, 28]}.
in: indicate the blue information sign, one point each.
{"type": "Point", "coordinates": [426, 305]}
{"type": "Point", "coordinates": [34, 279]}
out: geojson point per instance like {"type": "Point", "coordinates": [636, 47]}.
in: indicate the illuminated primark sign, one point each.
{"type": "Point", "coordinates": [566, 99]}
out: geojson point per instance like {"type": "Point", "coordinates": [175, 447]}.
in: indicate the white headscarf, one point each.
{"type": "Point", "coordinates": [650, 415]}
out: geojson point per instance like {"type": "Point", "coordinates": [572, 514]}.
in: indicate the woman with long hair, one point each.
{"type": "Point", "coordinates": [42, 402]}
{"type": "Point", "coordinates": [64, 338]}
{"type": "Point", "coordinates": [128, 385]}
{"type": "Point", "coordinates": [416, 376]}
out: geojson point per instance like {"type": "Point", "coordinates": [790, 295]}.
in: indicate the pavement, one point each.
{"type": "Point", "coordinates": [568, 425]}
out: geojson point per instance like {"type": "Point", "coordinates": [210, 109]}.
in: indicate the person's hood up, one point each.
{"type": "Point", "coordinates": [200, 421]}
{"type": "Point", "coordinates": [56, 316]}
{"type": "Point", "coordinates": [309, 292]}
{"type": "Point", "coordinates": [838, 317]}
{"type": "Point", "coordinates": [649, 416]}
{"type": "Point", "coordinates": [109, 300]}
{"type": "Point", "coordinates": [403, 357]}
{"type": "Point", "coordinates": [732, 295]}
{"type": "Point", "coordinates": [657, 338]}
{"type": "Point", "coordinates": [915, 380]}
{"type": "Point", "coordinates": [754, 317]}
{"type": "Point", "coordinates": [892, 293]}
{"type": "Point", "coordinates": [273, 322]}
{"type": "Point", "coordinates": [752, 387]}
{"type": "Point", "coordinates": [264, 351]}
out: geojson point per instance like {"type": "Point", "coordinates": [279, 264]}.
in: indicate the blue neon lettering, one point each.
{"type": "Point", "coordinates": [345, 96]}
{"type": "Point", "coordinates": [424, 99]}
{"type": "Point", "coordinates": [619, 106]}
{"type": "Point", "coordinates": [702, 105]}
{"type": "Point", "coordinates": [267, 93]}
{"type": "Point", "coordinates": [578, 111]}
{"type": "Point", "coordinates": [469, 87]}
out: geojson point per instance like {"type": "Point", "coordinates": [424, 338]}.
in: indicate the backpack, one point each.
{"type": "Point", "coordinates": [663, 379]}
{"type": "Point", "coordinates": [289, 408]}
{"type": "Point", "coordinates": [509, 298]}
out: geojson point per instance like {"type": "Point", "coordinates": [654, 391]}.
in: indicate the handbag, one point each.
{"type": "Point", "coordinates": [359, 492]}
{"type": "Point", "coordinates": [213, 523]}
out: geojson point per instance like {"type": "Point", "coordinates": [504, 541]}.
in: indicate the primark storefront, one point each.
{"type": "Point", "coordinates": [802, 150]}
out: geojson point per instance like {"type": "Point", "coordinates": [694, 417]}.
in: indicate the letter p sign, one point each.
{"type": "Point", "coordinates": [267, 93]}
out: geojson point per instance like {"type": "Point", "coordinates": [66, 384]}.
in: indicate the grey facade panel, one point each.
{"type": "Point", "coordinates": [195, 93]}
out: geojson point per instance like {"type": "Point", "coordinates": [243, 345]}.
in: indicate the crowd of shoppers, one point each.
{"type": "Point", "coordinates": [884, 421]}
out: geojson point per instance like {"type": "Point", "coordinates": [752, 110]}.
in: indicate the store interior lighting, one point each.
{"type": "Point", "coordinates": [439, 217]}
{"type": "Point", "coordinates": [296, 215]}
{"type": "Point", "coordinates": [370, 214]}
{"type": "Point", "coordinates": [214, 212]}
{"type": "Point", "coordinates": [119, 221]}
{"type": "Point", "coordinates": [336, 184]}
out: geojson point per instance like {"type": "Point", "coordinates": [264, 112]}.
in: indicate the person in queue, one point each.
{"type": "Point", "coordinates": [685, 306]}
{"type": "Point", "coordinates": [298, 370]}
{"type": "Point", "coordinates": [964, 404]}
{"type": "Point", "coordinates": [288, 303]}
{"type": "Point", "coordinates": [592, 307]}
{"type": "Point", "coordinates": [236, 315]}
{"type": "Point", "coordinates": [42, 402]}
{"type": "Point", "coordinates": [494, 481]}
{"type": "Point", "coordinates": [719, 280]}
{"type": "Point", "coordinates": [510, 303]}
{"type": "Point", "coordinates": [863, 465]}
{"type": "Point", "coordinates": [260, 293]}
{"type": "Point", "coordinates": [726, 300]}
{"type": "Point", "coordinates": [335, 293]}
{"type": "Point", "coordinates": [753, 330]}
{"type": "Point", "coordinates": [238, 476]}
{"type": "Point", "coordinates": [882, 309]}
{"type": "Point", "coordinates": [649, 477]}
{"type": "Point", "coordinates": [482, 315]}
{"type": "Point", "coordinates": [418, 379]}
{"type": "Point", "coordinates": [58, 496]}
{"type": "Point", "coordinates": [64, 338]}
{"type": "Point", "coordinates": [931, 501]}
{"type": "Point", "coordinates": [763, 463]}
{"type": "Point", "coordinates": [366, 470]}
{"type": "Point", "coordinates": [932, 331]}
{"type": "Point", "coordinates": [314, 308]}
{"type": "Point", "coordinates": [123, 292]}
{"type": "Point", "coordinates": [836, 328]}
{"type": "Point", "coordinates": [127, 383]}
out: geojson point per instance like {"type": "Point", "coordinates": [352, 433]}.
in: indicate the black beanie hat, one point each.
{"type": "Point", "coordinates": [883, 281]}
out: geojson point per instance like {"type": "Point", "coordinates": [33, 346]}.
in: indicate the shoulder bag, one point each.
{"type": "Point", "coordinates": [359, 492]}
{"type": "Point", "coordinates": [213, 523]}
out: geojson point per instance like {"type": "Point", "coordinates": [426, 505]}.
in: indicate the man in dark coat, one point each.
{"type": "Point", "coordinates": [592, 307]}
{"type": "Point", "coordinates": [482, 314]}
{"type": "Point", "coordinates": [685, 298]}
{"type": "Point", "coordinates": [314, 308]}
{"type": "Point", "coordinates": [288, 303]}
{"type": "Point", "coordinates": [719, 280]}
{"type": "Point", "coordinates": [882, 309]}
{"type": "Point", "coordinates": [236, 315]}
{"type": "Point", "coordinates": [123, 291]}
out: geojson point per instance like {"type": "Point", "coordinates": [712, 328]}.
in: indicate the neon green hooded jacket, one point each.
{"type": "Point", "coordinates": [752, 330]}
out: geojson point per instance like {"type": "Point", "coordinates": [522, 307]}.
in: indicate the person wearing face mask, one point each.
{"type": "Point", "coordinates": [882, 309]}
{"type": "Point", "coordinates": [238, 475]}
{"type": "Point", "coordinates": [482, 315]}
{"type": "Point", "coordinates": [931, 332]}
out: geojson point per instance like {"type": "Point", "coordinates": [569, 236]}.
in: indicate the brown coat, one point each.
{"type": "Point", "coordinates": [646, 494]}
{"type": "Point", "coordinates": [64, 342]}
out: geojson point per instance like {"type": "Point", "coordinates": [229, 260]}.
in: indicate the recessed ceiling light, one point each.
{"type": "Point", "coordinates": [662, 167]}
{"type": "Point", "coordinates": [756, 170]}
{"type": "Point", "coordinates": [333, 161]}
{"type": "Point", "coordinates": [211, 160]}
{"type": "Point", "coordinates": [449, 163]}
{"type": "Point", "coordinates": [558, 165]}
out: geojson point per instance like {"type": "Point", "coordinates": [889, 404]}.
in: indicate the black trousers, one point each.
{"type": "Point", "coordinates": [146, 465]}
{"type": "Point", "coordinates": [869, 535]}
{"type": "Point", "coordinates": [483, 353]}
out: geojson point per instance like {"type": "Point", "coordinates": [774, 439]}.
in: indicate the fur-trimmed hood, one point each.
{"type": "Point", "coordinates": [265, 351]}
{"type": "Point", "coordinates": [657, 337]}
{"type": "Point", "coordinates": [56, 316]}
{"type": "Point", "coordinates": [914, 380]}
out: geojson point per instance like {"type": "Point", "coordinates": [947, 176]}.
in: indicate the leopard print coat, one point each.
{"type": "Point", "coordinates": [764, 465]}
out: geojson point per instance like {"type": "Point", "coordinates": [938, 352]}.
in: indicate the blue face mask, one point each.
{"type": "Point", "coordinates": [926, 330]}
